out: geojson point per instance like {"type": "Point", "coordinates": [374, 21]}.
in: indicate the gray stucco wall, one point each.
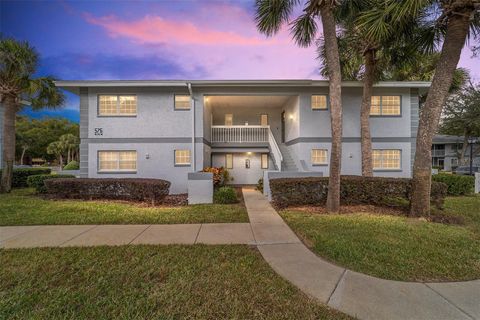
{"type": "Point", "coordinates": [158, 129]}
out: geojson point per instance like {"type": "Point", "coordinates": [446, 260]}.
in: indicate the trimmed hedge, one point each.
{"type": "Point", "coordinates": [354, 190]}
{"type": "Point", "coordinates": [72, 165]}
{"type": "Point", "coordinates": [20, 175]}
{"type": "Point", "coordinates": [151, 190]}
{"type": "Point", "coordinates": [225, 195]}
{"type": "Point", "coordinates": [38, 181]}
{"type": "Point", "coordinates": [457, 185]}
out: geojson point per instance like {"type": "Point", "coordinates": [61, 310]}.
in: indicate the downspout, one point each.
{"type": "Point", "coordinates": [192, 101]}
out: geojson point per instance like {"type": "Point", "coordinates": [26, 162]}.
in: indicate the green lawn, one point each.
{"type": "Point", "coordinates": [22, 207]}
{"type": "Point", "coordinates": [148, 282]}
{"type": "Point", "coordinates": [394, 247]}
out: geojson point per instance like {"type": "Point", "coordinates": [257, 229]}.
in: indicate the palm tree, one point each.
{"type": "Point", "coordinates": [57, 148]}
{"type": "Point", "coordinates": [365, 57]}
{"type": "Point", "coordinates": [452, 26]}
{"type": "Point", "coordinates": [270, 16]}
{"type": "Point", "coordinates": [18, 63]}
{"type": "Point", "coordinates": [71, 143]}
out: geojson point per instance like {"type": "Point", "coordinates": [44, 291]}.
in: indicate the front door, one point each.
{"type": "Point", "coordinates": [283, 126]}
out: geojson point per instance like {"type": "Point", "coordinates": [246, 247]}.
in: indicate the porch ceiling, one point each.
{"type": "Point", "coordinates": [275, 101]}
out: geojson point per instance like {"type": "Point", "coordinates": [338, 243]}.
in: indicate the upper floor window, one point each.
{"type": "Point", "coordinates": [385, 106]}
{"type": "Point", "coordinates": [182, 102]}
{"type": "Point", "coordinates": [319, 156]}
{"type": "Point", "coordinates": [386, 159]}
{"type": "Point", "coordinates": [264, 120]}
{"type": "Point", "coordinates": [117, 161]}
{"type": "Point", "coordinates": [182, 157]}
{"type": "Point", "coordinates": [117, 105]}
{"type": "Point", "coordinates": [319, 102]}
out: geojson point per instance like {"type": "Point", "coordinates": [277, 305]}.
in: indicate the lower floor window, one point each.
{"type": "Point", "coordinates": [117, 161]}
{"type": "Point", "coordinates": [264, 161]}
{"type": "Point", "coordinates": [319, 156]}
{"type": "Point", "coordinates": [182, 157]}
{"type": "Point", "coordinates": [386, 159]}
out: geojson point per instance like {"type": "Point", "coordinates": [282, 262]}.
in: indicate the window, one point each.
{"type": "Point", "coordinates": [319, 102]}
{"type": "Point", "coordinates": [264, 160]}
{"type": "Point", "coordinates": [229, 119]}
{"type": "Point", "coordinates": [264, 120]}
{"type": "Point", "coordinates": [319, 156]}
{"type": "Point", "coordinates": [182, 102]}
{"type": "Point", "coordinates": [182, 157]}
{"type": "Point", "coordinates": [385, 106]}
{"type": "Point", "coordinates": [117, 105]}
{"type": "Point", "coordinates": [229, 161]}
{"type": "Point", "coordinates": [386, 159]}
{"type": "Point", "coordinates": [117, 161]}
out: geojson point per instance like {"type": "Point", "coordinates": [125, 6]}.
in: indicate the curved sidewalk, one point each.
{"type": "Point", "coordinates": [356, 294]}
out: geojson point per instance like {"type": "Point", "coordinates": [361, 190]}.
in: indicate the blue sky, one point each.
{"type": "Point", "coordinates": [208, 39]}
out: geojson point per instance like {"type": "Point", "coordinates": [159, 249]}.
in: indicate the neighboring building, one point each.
{"type": "Point", "coordinates": [446, 149]}
{"type": "Point", "coordinates": [155, 129]}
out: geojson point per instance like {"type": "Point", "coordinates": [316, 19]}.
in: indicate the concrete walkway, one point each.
{"type": "Point", "coordinates": [354, 293]}
{"type": "Point", "coordinates": [97, 235]}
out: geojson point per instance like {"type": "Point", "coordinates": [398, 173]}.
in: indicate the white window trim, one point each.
{"type": "Point", "coordinates": [182, 164]}
{"type": "Point", "coordinates": [175, 102]}
{"type": "Point", "coordinates": [400, 168]}
{"type": "Point", "coordinates": [319, 109]}
{"type": "Point", "coordinates": [117, 170]}
{"type": "Point", "coordinates": [381, 115]}
{"type": "Point", "coordinates": [319, 163]}
{"type": "Point", "coordinates": [118, 114]}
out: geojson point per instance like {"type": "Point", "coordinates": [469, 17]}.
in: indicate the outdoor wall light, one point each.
{"type": "Point", "coordinates": [291, 117]}
{"type": "Point", "coordinates": [249, 153]}
{"type": "Point", "coordinates": [147, 156]}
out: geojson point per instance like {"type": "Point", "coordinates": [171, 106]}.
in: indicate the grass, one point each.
{"type": "Point", "coordinates": [22, 207]}
{"type": "Point", "coordinates": [146, 282]}
{"type": "Point", "coordinates": [398, 248]}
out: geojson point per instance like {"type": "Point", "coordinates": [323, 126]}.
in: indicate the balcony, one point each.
{"type": "Point", "coordinates": [438, 153]}
{"type": "Point", "coordinates": [240, 134]}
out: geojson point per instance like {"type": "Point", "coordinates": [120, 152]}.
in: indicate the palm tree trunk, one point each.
{"type": "Point", "coordinates": [335, 90]}
{"type": "Point", "coordinates": [366, 140]}
{"type": "Point", "coordinates": [61, 162]}
{"type": "Point", "coordinates": [457, 30]}
{"type": "Point", "coordinates": [461, 158]}
{"type": "Point", "coordinates": [10, 106]}
{"type": "Point", "coordinates": [24, 149]}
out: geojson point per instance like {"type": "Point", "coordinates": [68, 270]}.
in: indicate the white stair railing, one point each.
{"type": "Point", "coordinates": [277, 154]}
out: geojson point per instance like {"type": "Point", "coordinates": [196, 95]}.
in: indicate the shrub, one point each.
{"type": "Point", "coordinates": [152, 190]}
{"type": "Point", "coordinates": [72, 165]}
{"type": "Point", "coordinates": [225, 195]}
{"type": "Point", "coordinates": [259, 186]}
{"type": "Point", "coordinates": [20, 175]}
{"type": "Point", "coordinates": [38, 181]}
{"type": "Point", "coordinates": [220, 175]}
{"type": "Point", "coordinates": [354, 190]}
{"type": "Point", "coordinates": [456, 185]}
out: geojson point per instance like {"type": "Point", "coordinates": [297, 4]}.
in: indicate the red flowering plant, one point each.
{"type": "Point", "coordinates": [220, 175]}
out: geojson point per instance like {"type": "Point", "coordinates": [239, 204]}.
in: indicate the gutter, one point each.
{"type": "Point", "coordinates": [189, 85]}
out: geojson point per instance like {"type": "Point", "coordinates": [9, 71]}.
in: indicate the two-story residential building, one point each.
{"type": "Point", "coordinates": [446, 150]}
{"type": "Point", "coordinates": [165, 129]}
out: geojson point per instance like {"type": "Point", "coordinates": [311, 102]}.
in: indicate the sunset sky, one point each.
{"type": "Point", "coordinates": [158, 40]}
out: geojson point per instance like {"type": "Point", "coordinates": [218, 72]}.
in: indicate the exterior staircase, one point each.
{"type": "Point", "coordinates": [288, 164]}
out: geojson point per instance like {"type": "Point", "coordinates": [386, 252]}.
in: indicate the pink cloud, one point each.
{"type": "Point", "coordinates": [155, 29]}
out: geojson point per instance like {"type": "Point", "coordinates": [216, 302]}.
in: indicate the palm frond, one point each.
{"type": "Point", "coordinates": [304, 29]}
{"type": "Point", "coordinates": [272, 14]}
{"type": "Point", "coordinates": [42, 92]}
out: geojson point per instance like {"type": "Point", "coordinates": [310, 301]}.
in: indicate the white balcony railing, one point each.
{"type": "Point", "coordinates": [240, 134]}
